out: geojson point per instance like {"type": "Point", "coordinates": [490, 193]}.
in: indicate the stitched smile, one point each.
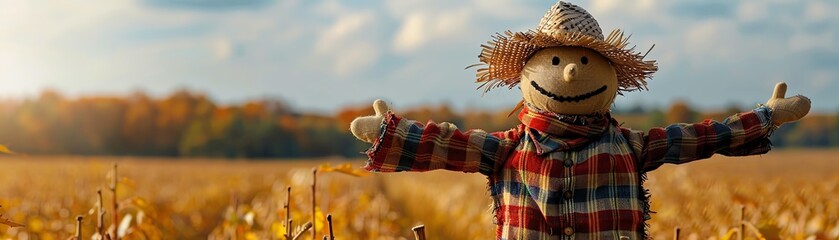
{"type": "Point", "coordinates": [559, 98]}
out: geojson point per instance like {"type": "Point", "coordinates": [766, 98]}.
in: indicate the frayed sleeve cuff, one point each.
{"type": "Point", "coordinates": [381, 144]}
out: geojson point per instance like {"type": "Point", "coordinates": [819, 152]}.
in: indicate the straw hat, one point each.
{"type": "Point", "coordinates": [503, 57]}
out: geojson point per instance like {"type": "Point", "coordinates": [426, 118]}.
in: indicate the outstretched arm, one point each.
{"type": "Point", "coordinates": [404, 145]}
{"type": "Point", "coordinates": [739, 135]}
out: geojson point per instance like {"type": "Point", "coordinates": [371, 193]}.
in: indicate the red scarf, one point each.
{"type": "Point", "coordinates": [563, 132]}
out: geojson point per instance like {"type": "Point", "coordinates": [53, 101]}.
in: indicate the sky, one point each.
{"type": "Point", "coordinates": [325, 55]}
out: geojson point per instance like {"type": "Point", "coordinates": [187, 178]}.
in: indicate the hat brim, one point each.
{"type": "Point", "coordinates": [503, 57]}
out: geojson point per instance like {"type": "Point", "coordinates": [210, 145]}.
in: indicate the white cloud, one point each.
{"type": "Point", "coordinates": [412, 33]}
{"type": "Point", "coordinates": [430, 23]}
{"type": "Point", "coordinates": [640, 7]}
{"type": "Point", "coordinates": [222, 49]}
{"type": "Point", "coordinates": [113, 45]}
{"type": "Point", "coordinates": [634, 16]}
{"type": "Point", "coordinates": [402, 8]}
{"type": "Point", "coordinates": [821, 79]}
{"type": "Point", "coordinates": [348, 44]}
{"type": "Point", "coordinates": [714, 39]}
{"type": "Point", "coordinates": [818, 11]}
{"type": "Point", "coordinates": [605, 6]}
{"type": "Point", "coordinates": [330, 7]}
{"type": "Point", "coordinates": [506, 9]}
{"type": "Point", "coordinates": [355, 58]}
{"type": "Point", "coordinates": [40, 40]}
{"type": "Point", "coordinates": [801, 42]}
{"type": "Point", "coordinates": [752, 10]}
{"type": "Point", "coordinates": [346, 28]}
{"type": "Point", "coordinates": [420, 28]}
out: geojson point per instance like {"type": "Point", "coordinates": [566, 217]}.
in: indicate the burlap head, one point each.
{"type": "Point", "coordinates": [503, 57]}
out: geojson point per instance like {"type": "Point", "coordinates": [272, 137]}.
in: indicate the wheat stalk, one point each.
{"type": "Point", "coordinates": [676, 233]}
{"type": "Point", "coordinates": [301, 230]}
{"type": "Point", "coordinates": [331, 234]}
{"type": "Point", "coordinates": [314, 202]}
{"type": "Point", "coordinates": [287, 221]}
{"type": "Point", "coordinates": [100, 215]}
{"type": "Point", "coordinates": [114, 203]}
{"type": "Point", "coordinates": [419, 232]}
{"type": "Point", "coordinates": [742, 222]}
{"type": "Point", "coordinates": [6, 221]}
{"type": "Point", "coordinates": [79, 227]}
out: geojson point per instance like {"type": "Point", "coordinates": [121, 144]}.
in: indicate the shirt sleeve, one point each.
{"type": "Point", "coordinates": [406, 145]}
{"type": "Point", "coordinates": [739, 135]}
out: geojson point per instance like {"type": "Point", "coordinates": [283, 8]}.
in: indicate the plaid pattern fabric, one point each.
{"type": "Point", "coordinates": [550, 178]}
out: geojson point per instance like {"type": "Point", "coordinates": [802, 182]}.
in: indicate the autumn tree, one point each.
{"type": "Point", "coordinates": [190, 124]}
{"type": "Point", "coordinates": [679, 112]}
{"type": "Point", "coordinates": [139, 124]}
{"type": "Point", "coordinates": [834, 137]}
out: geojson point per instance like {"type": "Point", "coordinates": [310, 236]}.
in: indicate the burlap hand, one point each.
{"type": "Point", "coordinates": [789, 109]}
{"type": "Point", "coordinates": [368, 128]}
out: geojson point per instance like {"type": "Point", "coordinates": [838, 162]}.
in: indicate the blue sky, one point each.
{"type": "Point", "coordinates": [324, 55]}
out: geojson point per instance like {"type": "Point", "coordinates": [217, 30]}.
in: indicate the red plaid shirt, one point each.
{"type": "Point", "coordinates": [565, 178]}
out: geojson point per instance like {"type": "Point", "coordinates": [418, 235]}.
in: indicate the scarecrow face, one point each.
{"type": "Point", "coordinates": [569, 80]}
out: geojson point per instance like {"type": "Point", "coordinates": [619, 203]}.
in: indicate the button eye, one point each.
{"type": "Point", "coordinates": [555, 61]}
{"type": "Point", "coordinates": [584, 60]}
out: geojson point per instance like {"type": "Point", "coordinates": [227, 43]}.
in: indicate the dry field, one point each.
{"type": "Point", "coordinates": [789, 194]}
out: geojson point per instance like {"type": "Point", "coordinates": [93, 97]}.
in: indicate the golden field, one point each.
{"type": "Point", "coordinates": [787, 194]}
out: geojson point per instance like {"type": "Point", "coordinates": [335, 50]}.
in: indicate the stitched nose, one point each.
{"type": "Point", "coordinates": [570, 72]}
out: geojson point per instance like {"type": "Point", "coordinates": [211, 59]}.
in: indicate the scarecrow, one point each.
{"type": "Point", "coordinates": [569, 170]}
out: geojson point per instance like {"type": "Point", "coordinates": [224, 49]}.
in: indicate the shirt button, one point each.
{"type": "Point", "coordinates": [568, 231]}
{"type": "Point", "coordinates": [568, 195]}
{"type": "Point", "coordinates": [568, 163]}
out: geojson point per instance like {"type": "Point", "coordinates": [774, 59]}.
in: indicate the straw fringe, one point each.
{"type": "Point", "coordinates": [503, 58]}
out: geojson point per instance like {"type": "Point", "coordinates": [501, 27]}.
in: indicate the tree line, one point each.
{"type": "Point", "coordinates": [189, 124]}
